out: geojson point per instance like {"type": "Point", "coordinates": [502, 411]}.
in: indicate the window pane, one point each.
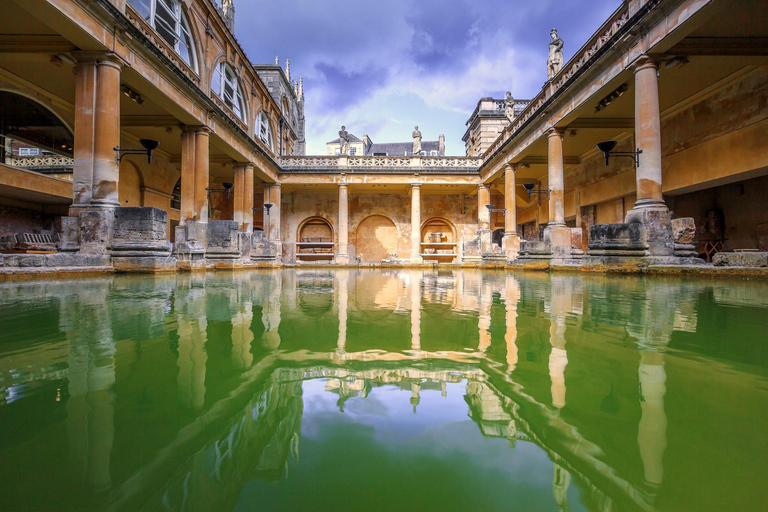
{"type": "Point", "coordinates": [142, 7]}
{"type": "Point", "coordinates": [216, 82]}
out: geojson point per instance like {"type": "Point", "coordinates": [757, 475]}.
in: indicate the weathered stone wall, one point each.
{"type": "Point", "coordinates": [14, 221]}
{"type": "Point", "coordinates": [743, 219]}
{"type": "Point", "coordinates": [370, 211]}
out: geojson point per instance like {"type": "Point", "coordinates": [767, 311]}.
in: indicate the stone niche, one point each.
{"type": "Point", "coordinates": [140, 240]}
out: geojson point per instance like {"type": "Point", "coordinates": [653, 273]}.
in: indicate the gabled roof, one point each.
{"type": "Point", "coordinates": [352, 138]}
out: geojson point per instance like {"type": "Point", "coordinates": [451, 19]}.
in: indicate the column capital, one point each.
{"type": "Point", "coordinates": [415, 185]}
{"type": "Point", "coordinates": [646, 61]}
{"type": "Point", "coordinates": [202, 130]}
{"type": "Point", "coordinates": [511, 167]}
{"type": "Point", "coordinates": [555, 132]}
{"type": "Point", "coordinates": [276, 185]}
{"type": "Point", "coordinates": [482, 186]}
{"type": "Point", "coordinates": [99, 57]}
{"type": "Point", "coordinates": [344, 186]}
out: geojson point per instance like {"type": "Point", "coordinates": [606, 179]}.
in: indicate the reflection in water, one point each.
{"type": "Point", "coordinates": [189, 392]}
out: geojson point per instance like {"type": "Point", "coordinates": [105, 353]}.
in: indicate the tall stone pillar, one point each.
{"type": "Point", "coordinates": [342, 254]}
{"type": "Point", "coordinates": [275, 193]}
{"type": "Point", "coordinates": [243, 202]}
{"type": "Point", "coordinates": [106, 172]}
{"type": "Point", "coordinates": [192, 231]}
{"type": "Point", "coordinates": [416, 224]}
{"type": "Point", "coordinates": [648, 134]}
{"type": "Point", "coordinates": [248, 198]}
{"type": "Point", "coordinates": [557, 234]}
{"type": "Point", "coordinates": [239, 189]}
{"type": "Point", "coordinates": [483, 199]}
{"type": "Point", "coordinates": [511, 241]}
{"type": "Point", "coordinates": [202, 173]}
{"type": "Point", "coordinates": [85, 117]}
{"type": "Point", "coordinates": [650, 209]}
{"type": "Point", "coordinates": [187, 175]}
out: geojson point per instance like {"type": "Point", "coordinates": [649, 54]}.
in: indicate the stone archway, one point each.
{"type": "Point", "coordinates": [376, 238]}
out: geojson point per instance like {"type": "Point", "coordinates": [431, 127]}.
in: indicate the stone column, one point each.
{"type": "Point", "coordinates": [106, 172]}
{"type": "Point", "coordinates": [342, 254]}
{"type": "Point", "coordinates": [85, 115]}
{"type": "Point", "coordinates": [243, 202]}
{"type": "Point", "coordinates": [557, 234]}
{"type": "Point", "coordinates": [248, 198]}
{"type": "Point", "coordinates": [187, 175]}
{"type": "Point", "coordinates": [511, 241]}
{"type": "Point", "coordinates": [202, 174]}
{"type": "Point", "coordinates": [650, 209]}
{"type": "Point", "coordinates": [275, 193]}
{"type": "Point", "coordinates": [483, 199]}
{"type": "Point", "coordinates": [416, 224]}
{"type": "Point", "coordinates": [648, 134]}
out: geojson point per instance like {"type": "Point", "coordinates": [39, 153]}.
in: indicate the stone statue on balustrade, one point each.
{"type": "Point", "coordinates": [344, 141]}
{"type": "Point", "coordinates": [555, 61]}
{"type": "Point", "coordinates": [509, 106]}
{"type": "Point", "coordinates": [416, 141]}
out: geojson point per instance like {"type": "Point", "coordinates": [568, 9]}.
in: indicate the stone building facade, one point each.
{"type": "Point", "coordinates": [681, 94]}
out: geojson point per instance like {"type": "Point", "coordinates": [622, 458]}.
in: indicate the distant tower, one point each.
{"type": "Point", "coordinates": [228, 13]}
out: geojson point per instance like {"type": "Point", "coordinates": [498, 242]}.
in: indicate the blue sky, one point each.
{"type": "Point", "coordinates": [382, 66]}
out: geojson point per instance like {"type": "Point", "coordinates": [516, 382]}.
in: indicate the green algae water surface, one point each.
{"type": "Point", "coordinates": [395, 391]}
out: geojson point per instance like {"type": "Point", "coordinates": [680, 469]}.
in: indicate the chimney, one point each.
{"type": "Point", "coordinates": [442, 145]}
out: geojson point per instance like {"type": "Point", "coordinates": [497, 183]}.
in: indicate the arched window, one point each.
{"type": "Point", "coordinates": [168, 18]}
{"type": "Point", "coordinates": [264, 130]}
{"type": "Point", "coordinates": [227, 87]}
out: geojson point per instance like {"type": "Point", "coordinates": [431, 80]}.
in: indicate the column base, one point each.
{"type": "Point", "coordinates": [654, 216]}
{"type": "Point", "coordinates": [96, 225]}
{"type": "Point", "coordinates": [510, 245]}
{"type": "Point", "coordinates": [342, 259]}
{"type": "Point", "coordinates": [191, 239]}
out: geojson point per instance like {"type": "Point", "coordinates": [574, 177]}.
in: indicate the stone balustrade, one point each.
{"type": "Point", "coordinates": [389, 164]}
{"type": "Point", "coordinates": [41, 162]}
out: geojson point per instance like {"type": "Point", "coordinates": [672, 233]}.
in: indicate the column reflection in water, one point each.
{"type": "Point", "coordinates": [90, 407]}
{"type": "Point", "coordinates": [485, 301]}
{"type": "Point", "coordinates": [652, 328]}
{"type": "Point", "coordinates": [559, 306]}
{"type": "Point", "coordinates": [511, 299]}
{"type": "Point", "coordinates": [560, 483]}
{"type": "Point", "coordinates": [341, 278]}
{"type": "Point", "coordinates": [193, 324]}
{"type": "Point", "coordinates": [242, 335]}
{"type": "Point", "coordinates": [415, 284]}
{"type": "Point", "coordinates": [270, 315]}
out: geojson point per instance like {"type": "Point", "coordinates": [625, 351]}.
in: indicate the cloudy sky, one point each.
{"type": "Point", "coordinates": [382, 66]}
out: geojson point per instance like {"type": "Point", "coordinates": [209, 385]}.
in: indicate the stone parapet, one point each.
{"type": "Point", "coordinates": [617, 240]}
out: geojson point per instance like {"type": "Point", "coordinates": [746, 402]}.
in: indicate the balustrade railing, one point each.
{"type": "Point", "coordinates": [41, 162]}
{"type": "Point", "coordinates": [602, 38]}
{"type": "Point", "coordinates": [379, 163]}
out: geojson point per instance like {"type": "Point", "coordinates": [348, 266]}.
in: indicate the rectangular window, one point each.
{"type": "Point", "coordinates": [433, 153]}
{"type": "Point", "coordinates": [352, 151]}
{"type": "Point", "coordinates": [29, 151]}
{"type": "Point", "coordinates": [380, 154]}
{"type": "Point", "coordinates": [338, 151]}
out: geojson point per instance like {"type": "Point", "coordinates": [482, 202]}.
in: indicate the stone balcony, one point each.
{"type": "Point", "coordinates": [381, 164]}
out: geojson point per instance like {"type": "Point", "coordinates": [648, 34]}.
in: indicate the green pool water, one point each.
{"type": "Point", "coordinates": [372, 390]}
